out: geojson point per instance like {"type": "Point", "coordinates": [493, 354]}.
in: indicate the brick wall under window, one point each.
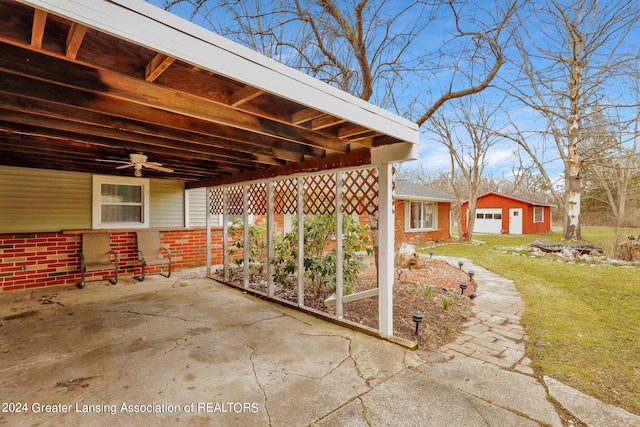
{"type": "Point", "coordinates": [33, 260]}
{"type": "Point", "coordinates": [421, 238]}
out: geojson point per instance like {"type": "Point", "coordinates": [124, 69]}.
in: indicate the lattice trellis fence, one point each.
{"type": "Point", "coordinates": [315, 194]}
{"type": "Point", "coordinates": [359, 195]}
{"type": "Point", "coordinates": [285, 196]}
{"type": "Point", "coordinates": [360, 191]}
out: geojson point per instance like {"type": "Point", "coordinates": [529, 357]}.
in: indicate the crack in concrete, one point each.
{"type": "Point", "coordinates": [365, 411]}
{"type": "Point", "coordinates": [258, 321]}
{"type": "Point", "coordinates": [144, 314]}
{"type": "Point", "coordinates": [255, 376]}
{"type": "Point", "coordinates": [472, 403]}
{"type": "Point", "coordinates": [468, 397]}
{"type": "Point", "coordinates": [367, 381]}
{"type": "Point", "coordinates": [66, 355]}
{"type": "Point", "coordinates": [357, 397]}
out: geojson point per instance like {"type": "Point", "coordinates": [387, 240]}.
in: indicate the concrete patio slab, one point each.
{"type": "Point", "coordinates": [510, 390]}
{"type": "Point", "coordinates": [590, 410]}
{"type": "Point", "coordinates": [413, 399]}
{"type": "Point", "coordinates": [189, 351]}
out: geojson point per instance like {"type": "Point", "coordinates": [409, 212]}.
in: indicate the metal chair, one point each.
{"type": "Point", "coordinates": [96, 255]}
{"type": "Point", "coordinates": [150, 252]}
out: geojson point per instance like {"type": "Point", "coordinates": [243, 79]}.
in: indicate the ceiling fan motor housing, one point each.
{"type": "Point", "coordinates": [137, 158]}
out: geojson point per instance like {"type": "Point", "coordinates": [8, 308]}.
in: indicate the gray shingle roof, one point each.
{"type": "Point", "coordinates": [408, 190]}
{"type": "Point", "coordinates": [521, 198]}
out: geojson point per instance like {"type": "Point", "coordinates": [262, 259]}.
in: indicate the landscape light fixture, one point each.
{"type": "Point", "coordinates": [430, 254]}
{"type": "Point", "coordinates": [471, 273]}
{"type": "Point", "coordinates": [460, 264]}
{"type": "Point", "coordinates": [399, 272]}
{"type": "Point", "coordinates": [463, 286]}
{"type": "Point", "coordinates": [417, 317]}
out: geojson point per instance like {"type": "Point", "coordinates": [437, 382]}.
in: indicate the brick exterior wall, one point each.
{"type": "Point", "coordinates": [422, 238]}
{"type": "Point", "coordinates": [34, 260]}
{"type": "Point", "coordinates": [47, 259]}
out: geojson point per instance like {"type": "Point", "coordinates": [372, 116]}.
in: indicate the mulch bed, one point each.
{"type": "Point", "coordinates": [428, 286]}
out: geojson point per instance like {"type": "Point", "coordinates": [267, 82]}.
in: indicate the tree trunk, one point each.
{"type": "Point", "coordinates": [573, 174]}
{"type": "Point", "coordinates": [472, 216]}
{"type": "Point", "coordinates": [573, 183]}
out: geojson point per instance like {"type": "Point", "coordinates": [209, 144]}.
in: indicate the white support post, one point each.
{"type": "Point", "coordinates": [225, 233]}
{"type": "Point", "coordinates": [245, 236]}
{"type": "Point", "coordinates": [208, 231]}
{"type": "Point", "coordinates": [339, 254]}
{"type": "Point", "coordinates": [385, 250]}
{"type": "Point", "coordinates": [300, 182]}
{"type": "Point", "coordinates": [270, 243]}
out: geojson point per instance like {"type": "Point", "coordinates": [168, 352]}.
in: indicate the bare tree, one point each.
{"type": "Point", "coordinates": [391, 53]}
{"type": "Point", "coordinates": [611, 161]}
{"type": "Point", "coordinates": [572, 54]}
{"type": "Point", "coordinates": [469, 132]}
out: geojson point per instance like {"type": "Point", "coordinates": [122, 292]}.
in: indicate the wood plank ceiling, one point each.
{"type": "Point", "coordinates": [70, 95]}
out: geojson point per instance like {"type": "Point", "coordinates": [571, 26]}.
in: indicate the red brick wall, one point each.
{"type": "Point", "coordinates": [30, 260]}
{"type": "Point", "coordinates": [420, 238]}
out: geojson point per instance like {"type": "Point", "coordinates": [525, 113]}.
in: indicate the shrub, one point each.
{"type": "Point", "coordinates": [257, 241]}
{"type": "Point", "coordinates": [320, 252]}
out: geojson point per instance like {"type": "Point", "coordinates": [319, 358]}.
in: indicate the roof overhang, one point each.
{"type": "Point", "coordinates": [516, 198]}
{"type": "Point", "coordinates": [422, 199]}
{"type": "Point", "coordinates": [97, 79]}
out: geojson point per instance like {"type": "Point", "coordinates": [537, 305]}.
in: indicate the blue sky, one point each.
{"type": "Point", "coordinates": [433, 155]}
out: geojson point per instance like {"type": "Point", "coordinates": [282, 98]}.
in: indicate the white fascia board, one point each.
{"type": "Point", "coordinates": [422, 199]}
{"type": "Point", "coordinates": [393, 153]}
{"type": "Point", "coordinates": [154, 28]}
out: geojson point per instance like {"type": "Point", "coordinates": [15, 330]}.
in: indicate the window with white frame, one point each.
{"type": "Point", "coordinates": [120, 202]}
{"type": "Point", "coordinates": [538, 214]}
{"type": "Point", "coordinates": [420, 215]}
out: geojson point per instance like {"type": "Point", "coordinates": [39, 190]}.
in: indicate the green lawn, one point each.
{"type": "Point", "coordinates": [582, 321]}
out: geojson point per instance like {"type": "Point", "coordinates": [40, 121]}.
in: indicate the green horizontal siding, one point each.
{"type": "Point", "coordinates": [39, 200]}
{"type": "Point", "coordinates": [198, 207]}
{"type": "Point", "coordinates": [167, 203]}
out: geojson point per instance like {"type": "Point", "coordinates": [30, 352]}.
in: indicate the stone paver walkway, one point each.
{"type": "Point", "coordinates": [494, 336]}
{"type": "Point", "coordinates": [494, 333]}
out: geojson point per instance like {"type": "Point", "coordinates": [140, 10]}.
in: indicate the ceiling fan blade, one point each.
{"type": "Point", "coordinates": [157, 167]}
{"type": "Point", "coordinates": [113, 161]}
{"type": "Point", "coordinates": [128, 165]}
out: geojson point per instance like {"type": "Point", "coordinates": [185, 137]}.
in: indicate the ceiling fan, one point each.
{"type": "Point", "coordinates": [138, 161]}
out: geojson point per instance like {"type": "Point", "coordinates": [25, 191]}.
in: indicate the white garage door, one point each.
{"type": "Point", "coordinates": [488, 220]}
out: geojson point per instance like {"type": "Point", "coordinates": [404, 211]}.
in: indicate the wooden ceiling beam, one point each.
{"type": "Point", "coordinates": [74, 39]}
{"type": "Point", "coordinates": [50, 160]}
{"type": "Point", "coordinates": [37, 31]}
{"type": "Point", "coordinates": [306, 115]}
{"type": "Point", "coordinates": [351, 130]}
{"type": "Point", "coordinates": [18, 91]}
{"type": "Point", "coordinates": [157, 66]}
{"type": "Point", "coordinates": [244, 95]}
{"type": "Point", "coordinates": [112, 84]}
{"type": "Point", "coordinates": [31, 124]}
{"type": "Point", "coordinates": [43, 146]}
{"type": "Point", "coordinates": [325, 122]}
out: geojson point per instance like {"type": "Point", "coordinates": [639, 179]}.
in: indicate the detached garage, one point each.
{"type": "Point", "coordinates": [488, 220]}
{"type": "Point", "coordinates": [498, 213]}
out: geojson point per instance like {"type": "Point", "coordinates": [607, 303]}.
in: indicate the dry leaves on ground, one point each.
{"type": "Point", "coordinates": [430, 286]}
